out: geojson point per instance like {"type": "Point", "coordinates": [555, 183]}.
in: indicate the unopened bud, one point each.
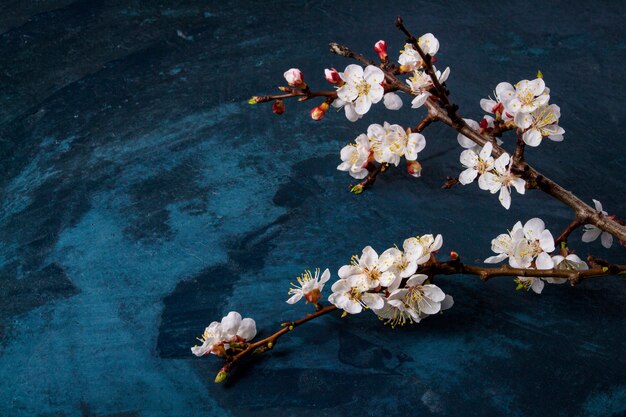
{"type": "Point", "coordinates": [294, 78]}
{"type": "Point", "coordinates": [221, 376]}
{"type": "Point", "coordinates": [278, 107]}
{"type": "Point", "coordinates": [381, 49]}
{"type": "Point", "coordinates": [332, 76]}
{"type": "Point", "coordinates": [414, 168]}
{"type": "Point", "coordinates": [357, 189]}
{"type": "Point", "coordinates": [318, 112]}
{"type": "Point", "coordinates": [454, 256]}
{"type": "Point", "coordinates": [253, 100]}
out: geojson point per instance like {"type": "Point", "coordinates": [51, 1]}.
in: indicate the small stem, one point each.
{"type": "Point", "coordinates": [518, 155]}
{"type": "Point", "coordinates": [575, 224]}
{"type": "Point", "coordinates": [370, 179]}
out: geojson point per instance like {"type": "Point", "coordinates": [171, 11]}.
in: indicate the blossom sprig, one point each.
{"type": "Point", "coordinates": [385, 144]}
{"type": "Point", "coordinates": [388, 284]}
{"type": "Point", "coordinates": [398, 287]}
{"type": "Point", "coordinates": [493, 175]}
{"type": "Point", "coordinates": [525, 107]}
{"type": "Point", "coordinates": [224, 337]}
{"type": "Point", "coordinates": [529, 246]}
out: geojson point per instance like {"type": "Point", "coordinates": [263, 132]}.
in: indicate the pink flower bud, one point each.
{"type": "Point", "coordinates": [318, 112]}
{"type": "Point", "coordinates": [278, 107]}
{"type": "Point", "coordinates": [332, 76]}
{"type": "Point", "coordinates": [454, 256]}
{"type": "Point", "coordinates": [414, 168]}
{"type": "Point", "coordinates": [483, 124]}
{"type": "Point", "coordinates": [381, 49]}
{"type": "Point", "coordinates": [294, 77]}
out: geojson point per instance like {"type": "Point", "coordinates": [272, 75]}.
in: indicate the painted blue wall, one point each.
{"type": "Point", "coordinates": [142, 197]}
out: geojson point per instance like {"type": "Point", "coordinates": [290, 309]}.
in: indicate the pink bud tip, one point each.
{"type": "Point", "coordinates": [294, 77]}
{"type": "Point", "coordinates": [332, 76]}
{"type": "Point", "coordinates": [454, 256]}
{"type": "Point", "coordinates": [381, 49]}
{"type": "Point", "coordinates": [414, 168]}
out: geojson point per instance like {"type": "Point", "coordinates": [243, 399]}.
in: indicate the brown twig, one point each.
{"type": "Point", "coordinates": [575, 224]}
{"type": "Point", "coordinates": [269, 342]}
{"type": "Point", "coordinates": [370, 179]}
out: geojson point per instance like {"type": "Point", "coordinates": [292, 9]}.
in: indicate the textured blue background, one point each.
{"type": "Point", "coordinates": [142, 198]}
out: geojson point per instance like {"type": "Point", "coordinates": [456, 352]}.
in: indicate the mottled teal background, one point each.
{"type": "Point", "coordinates": [142, 197]}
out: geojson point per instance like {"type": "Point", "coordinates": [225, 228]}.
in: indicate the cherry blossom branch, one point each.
{"type": "Point", "coordinates": [485, 273]}
{"type": "Point", "coordinates": [431, 269]}
{"type": "Point", "coordinates": [268, 343]}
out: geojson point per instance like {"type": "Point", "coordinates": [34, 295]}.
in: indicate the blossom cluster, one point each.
{"type": "Point", "coordinates": [529, 246]}
{"type": "Point", "coordinates": [388, 284]}
{"type": "Point", "coordinates": [525, 104]}
{"type": "Point", "coordinates": [494, 175]}
{"type": "Point", "coordinates": [220, 337]}
{"type": "Point", "coordinates": [386, 143]}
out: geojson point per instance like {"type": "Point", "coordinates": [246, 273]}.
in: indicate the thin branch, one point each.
{"type": "Point", "coordinates": [485, 273]}
{"type": "Point", "coordinates": [575, 224]}
{"type": "Point", "coordinates": [370, 179]}
{"type": "Point", "coordinates": [269, 342]}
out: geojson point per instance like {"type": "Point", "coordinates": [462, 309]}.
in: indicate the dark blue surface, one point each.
{"type": "Point", "coordinates": [142, 197]}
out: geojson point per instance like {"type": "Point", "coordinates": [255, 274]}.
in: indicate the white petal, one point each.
{"type": "Point", "coordinates": [419, 100]}
{"type": "Point", "coordinates": [606, 239]}
{"type": "Point", "coordinates": [544, 261]}
{"type": "Point", "coordinates": [417, 279]}
{"type": "Point", "coordinates": [392, 101]}
{"type": "Point", "coordinates": [505, 197]}
{"type": "Point", "coordinates": [532, 137]}
{"type": "Point", "coordinates": [247, 329]}
{"type": "Point", "coordinates": [369, 257]}
{"type": "Point", "coordinates": [434, 293]}
{"type": "Point", "coordinates": [325, 276]}
{"type": "Point", "coordinates": [373, 301]}
{"type": "Point", "coordinates": [467, 176]}
{"type": "Point", "coordinates": [591, 233]}
{"type": "Point", "coordinates": [373, 75]}
{"type": "Point", "coordinates": [352, 72]}
{"type": "Point", "coordinates": [294, 298]}
{"type": "Point", "coordinates": [362, 104]}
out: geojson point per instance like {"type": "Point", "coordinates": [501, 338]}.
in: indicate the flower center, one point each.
{"type": "Point", "coordinates": [363, 88]}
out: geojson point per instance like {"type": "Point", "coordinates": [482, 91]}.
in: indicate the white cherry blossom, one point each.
{"type": "Point", "coordinates": [503, 93]}
{"type": "Point", "coordinates": [592, 232]}
{"type": "Point", "coordinates": [218, 336]}
{"type": "Point", "coordinates": [504, 246]}
{"type": "Point", "coordinates": [421, 82]}
{"type": "Point", "coordinates": [502, 179]}
{"type": "Point", "coordinates": [391, 142]}
{"type": "Point", "coordinates": [569, 262]}
{"type": "Point", "coordinates": [309, 286]}
{"type": "Point", "coordinates": [539, 124]}
{"type": "Point", "coordinates": [414, 302]}
{"type": "Point", "coordinates": [537, 240]}
{"type": "Point", "coordinates": [421, 247]}
{"type": "Point", "coordinates": [362, 87]}
{"type": "Point", "coordinates": [351, 295]}
{"type": "Point", "coordinates": [373, 269]}
{"type": "Point", "coordinates": [527, 96]}
{"type": "Point", "coordinates": [410, 58]}
{"type": "Point", "coordinates": [476, 164]}
{"type": "Point", "coordinates": [355, 157]}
